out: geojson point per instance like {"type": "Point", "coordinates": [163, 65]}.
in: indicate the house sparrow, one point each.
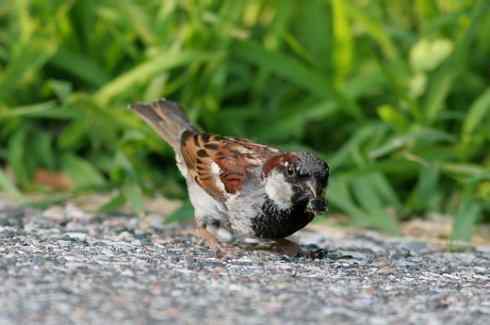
{"type": "Point", "coordinates": [240, 190]}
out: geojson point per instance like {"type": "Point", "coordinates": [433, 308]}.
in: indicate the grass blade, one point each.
{"type": "Point", "coordinates": [343, 40]}
{"type": "Point", "coordinates": [477, 113]}
{"type": "Point", "coordinates": [286, 67]}
{"type": "Point", "coordinates": [9, 187]}
{"type": "Point", "coordinates": [146, 71]}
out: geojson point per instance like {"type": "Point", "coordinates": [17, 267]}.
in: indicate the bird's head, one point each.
{"type": "Point", "coordinates": [296, 178]}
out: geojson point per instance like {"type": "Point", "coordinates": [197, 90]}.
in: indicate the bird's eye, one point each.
{"type": "Point", "coordinates": [291, 171]}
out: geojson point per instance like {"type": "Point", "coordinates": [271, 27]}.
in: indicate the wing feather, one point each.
{"type": "Point", "coordinates": [221, 165]}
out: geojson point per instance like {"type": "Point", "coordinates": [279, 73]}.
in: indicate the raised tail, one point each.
{"type": "Point", "coordinates": [166, 118]}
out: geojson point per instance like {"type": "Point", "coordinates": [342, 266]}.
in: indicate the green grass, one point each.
{"type": "Point", "coordinates": [394, 95]}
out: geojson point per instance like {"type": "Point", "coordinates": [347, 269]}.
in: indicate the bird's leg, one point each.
{"type": "Point", "coordinates": [219, 248]}
{"type": "Point", "coordinates": [204, 234]}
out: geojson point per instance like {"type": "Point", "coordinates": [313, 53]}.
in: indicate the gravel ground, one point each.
{"type": "Point", "coordinates": [63, 266]}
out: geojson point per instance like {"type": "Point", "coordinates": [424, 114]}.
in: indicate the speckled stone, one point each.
{"type": "Point", "coordinates": [62, 267]}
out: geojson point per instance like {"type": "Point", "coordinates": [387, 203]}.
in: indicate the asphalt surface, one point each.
{"type": "Point", "coordinates": [62, 266]}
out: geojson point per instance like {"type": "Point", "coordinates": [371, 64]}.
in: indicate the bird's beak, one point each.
{"type": "Point", "coordinates": [317, 203]}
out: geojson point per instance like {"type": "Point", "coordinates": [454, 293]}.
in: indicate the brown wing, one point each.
{"type": "Point", "coordinates": [220, 165]}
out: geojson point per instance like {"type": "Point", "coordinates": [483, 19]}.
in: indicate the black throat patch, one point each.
{"type": "Point", "coordinates": [276, 223]}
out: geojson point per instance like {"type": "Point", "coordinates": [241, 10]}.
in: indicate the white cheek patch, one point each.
{"type": "Point", "coordinates": [278, 190]}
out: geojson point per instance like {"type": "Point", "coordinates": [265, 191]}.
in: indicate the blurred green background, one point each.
{"type": "Point", "coordinates": [395, 95]}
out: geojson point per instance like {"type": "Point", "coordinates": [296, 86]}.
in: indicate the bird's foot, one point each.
{"type": "Point", "coordinates": [220, 249]}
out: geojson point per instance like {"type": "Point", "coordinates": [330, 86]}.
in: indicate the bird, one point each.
{"type": "Point", "coordinates": [241, 191]}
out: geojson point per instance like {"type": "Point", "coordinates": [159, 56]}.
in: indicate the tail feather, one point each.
{"type": "Point", "coordinates": [166, 118]}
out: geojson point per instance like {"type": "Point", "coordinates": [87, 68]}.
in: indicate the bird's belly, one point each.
{"type": "Point", "coordinates": [206, 208]}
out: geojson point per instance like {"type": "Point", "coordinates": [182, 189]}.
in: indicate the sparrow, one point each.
{"type": "Point", "coordinates": [240, 190]}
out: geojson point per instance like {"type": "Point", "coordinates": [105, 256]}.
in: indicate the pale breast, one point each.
{"type": "Point", "coordinates": [242, 209]}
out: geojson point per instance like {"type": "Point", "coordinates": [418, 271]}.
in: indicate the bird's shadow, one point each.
{"type": "Point", "coordinates": [315, 252]}
{"type": "Point", "coordinates": [285, 248]}
{"type": "Point", "coordinates": [301, 251]}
